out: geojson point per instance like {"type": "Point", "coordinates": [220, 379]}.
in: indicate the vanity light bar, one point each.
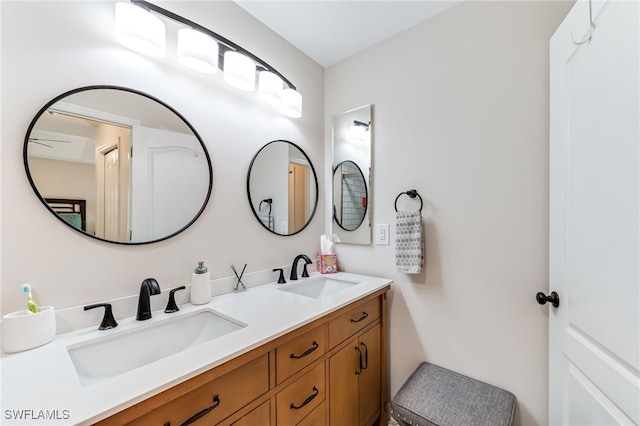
{"type": "Point", "coordinates": [241, 75]}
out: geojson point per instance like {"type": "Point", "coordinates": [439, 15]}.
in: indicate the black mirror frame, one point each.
{"type": "Point", "coordinates": [125, 89]}
{"type": "Point", "coordinates": [315, 176]}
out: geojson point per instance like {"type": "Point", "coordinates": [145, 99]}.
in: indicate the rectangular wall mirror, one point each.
{"type": "Point", "coordinates": [351, 166]}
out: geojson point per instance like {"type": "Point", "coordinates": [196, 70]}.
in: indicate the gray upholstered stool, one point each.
{"type": "Point", "coordinates": [433, 395]}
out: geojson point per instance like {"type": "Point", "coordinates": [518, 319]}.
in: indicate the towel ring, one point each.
{"type": "Point", "coordinates": [268, 201]}
{"type": "Point", "coordinates": [412, 193]}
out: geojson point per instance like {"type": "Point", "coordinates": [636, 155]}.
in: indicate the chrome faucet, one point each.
{"type": "Point", "coordinates": [148, 288]}
{"type": "Point", "coordinates": [294, 267]}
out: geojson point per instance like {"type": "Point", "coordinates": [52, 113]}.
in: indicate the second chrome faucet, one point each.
{"type": "Point", "coordinates": [294, 267]}
{"type": "Point", "coordinates": [148, 288]}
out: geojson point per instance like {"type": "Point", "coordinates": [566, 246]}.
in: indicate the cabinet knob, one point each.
{"type": "Point", "coordinates": [366, 357]}
{"type": "Point", "coordinates": [362, 317]}
{"type": "Point", "coordinates": [313, 347]}
{"type": "Point", "coordinates": [306, 401]}
{"type": "Point", "coordinates": [200, 414]}
{"type": "Point", "coordinates": [359, 371]}
{"type": "Point", "coordinates": [552, 298]}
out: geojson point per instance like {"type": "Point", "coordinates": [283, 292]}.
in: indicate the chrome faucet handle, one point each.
{"type": "Point", "coordinates": [281, 279]}
{"type": "Point", "coordinates": [171, 304]}
{"type": "Point", "coordinates": [108, 321]}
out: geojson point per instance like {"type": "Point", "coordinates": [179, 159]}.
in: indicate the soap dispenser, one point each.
{"type": "Point", "coordinates": [200, 285]}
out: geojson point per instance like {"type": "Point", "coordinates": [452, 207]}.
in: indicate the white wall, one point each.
{"type": "Point", "coordinates": [51, 47]}
{"type": "Point", "coordinates": [460, 113]}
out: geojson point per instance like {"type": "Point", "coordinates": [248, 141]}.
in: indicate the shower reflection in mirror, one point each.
{"type": "Point", "coordinates": [351, 173]}
{"type": "Point", "coordinates": [350, 196]}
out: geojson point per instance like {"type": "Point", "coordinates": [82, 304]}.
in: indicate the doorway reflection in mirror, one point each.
{"type": "Point", "coordinates": [282, 187]}
{"type": "Point", "coordinates": [139, 168]}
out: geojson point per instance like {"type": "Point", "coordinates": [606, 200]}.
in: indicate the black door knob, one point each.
{"type": "Point", "coordinates": [553, 298]}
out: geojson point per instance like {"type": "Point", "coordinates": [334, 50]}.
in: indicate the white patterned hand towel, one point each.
{"type": "Point", "coordinates": [409, 243]}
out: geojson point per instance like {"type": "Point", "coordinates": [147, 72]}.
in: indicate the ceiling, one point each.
{"type": "Point", "coordinates": [329, 31]}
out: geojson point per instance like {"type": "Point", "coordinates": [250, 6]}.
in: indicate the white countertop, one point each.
{"type": "Point", "coordinates": [41, 385]}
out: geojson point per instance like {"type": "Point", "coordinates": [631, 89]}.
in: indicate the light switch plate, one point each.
{"type": "Point", "coordinates": [382, 234]}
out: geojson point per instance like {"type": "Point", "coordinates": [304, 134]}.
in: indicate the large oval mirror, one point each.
{"type": "Point", "coordinates": [282, 187]}
{"type": "Point", "coordinates": [117, 165]}
{"type": "Point", "coordinates": [350, 198]}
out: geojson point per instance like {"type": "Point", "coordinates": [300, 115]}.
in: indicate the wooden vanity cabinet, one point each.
{"type": "Point", "coordinates": [329, 372]}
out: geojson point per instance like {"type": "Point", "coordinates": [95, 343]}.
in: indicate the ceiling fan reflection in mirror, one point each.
{"type": "Point", "coordinates": [41, 141]}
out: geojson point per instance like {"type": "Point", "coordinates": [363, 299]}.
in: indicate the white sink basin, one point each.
{"type": "Point", "coordinates": [320, 286]}
{"type": "Point", "coordinates": [111, 356]}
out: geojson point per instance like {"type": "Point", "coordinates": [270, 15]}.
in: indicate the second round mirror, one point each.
{"type": "Point", "coordinates": [282, 187]}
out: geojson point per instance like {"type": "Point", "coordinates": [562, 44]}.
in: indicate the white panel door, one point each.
{"type": "Point", "coordinates": [168, 178]}
{"type": "Point", "coordinates": [594, 333]}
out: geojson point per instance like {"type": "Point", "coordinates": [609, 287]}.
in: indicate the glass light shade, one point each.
{"type": "Point", "coordinates": [270, 87]}
{"type": "Point", "coordinates": [197, 51]}
{"type": "Point", "coordinates": [139, 30]}
{"type": "Point", "coordinates": [239, 71]}
{"type": "Point", "coordinates": [356, 133]}
{"type": "Point", "coordinates": [292, 103]}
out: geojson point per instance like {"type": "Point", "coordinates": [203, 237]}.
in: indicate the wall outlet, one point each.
{"type": "Point", "coordinates": [382, 234]}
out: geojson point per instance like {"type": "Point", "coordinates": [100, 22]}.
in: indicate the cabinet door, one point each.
{"type": "Point", "coordinates": [369, 381]}
{"type": "Point", "coordinates": [344, 370]}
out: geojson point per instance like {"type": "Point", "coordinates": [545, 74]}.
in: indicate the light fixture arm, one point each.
{"type": "Point", "coordinates": [361, 124]}
{"type": "Point", "coordinates": [226, 42]}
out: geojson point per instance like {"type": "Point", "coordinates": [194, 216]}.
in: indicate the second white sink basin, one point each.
{"type": "Point", "coordinates": [320, 286]}
{"type": "Point", "coordinates": [111, 356]}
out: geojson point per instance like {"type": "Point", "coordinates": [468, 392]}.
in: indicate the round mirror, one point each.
{"type": "Point", "coordinates": [349, 196]}
{"type": "Point", "coordinates": [117, 165]}
{"type": "Point", "coordinates": [282, 187]}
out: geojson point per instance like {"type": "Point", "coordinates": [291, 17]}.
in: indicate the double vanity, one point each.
{"type": "Point", "coordinates": [309, 352]}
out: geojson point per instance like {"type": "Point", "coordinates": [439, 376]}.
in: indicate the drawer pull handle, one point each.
{"type": "Point", "coordinates": [306, 401]}
{"type": "Point", "coordinates": [359, 371]}
{"type": "Point", "coordinates": [198, 415]}
{"type": "Point", "coordinates": [366, 356]}
{"type": "Point", "coordinates": [307, 352]}
{"type": "Point", "coordinates": [364, 315]}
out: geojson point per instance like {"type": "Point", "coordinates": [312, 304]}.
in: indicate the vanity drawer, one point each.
{"type": "Point", "coordinates": [300, 398]}
{"type": "Point", "coordinates": [351, 322]}
{"type": "Point", "coordinates": [296, 354]}
{"type": "Point", "coordinates": [316, 418]}
{"type": "Point", "coordinates": [258, 416]}
{"type": "Point", "coordinates": [216, 400]}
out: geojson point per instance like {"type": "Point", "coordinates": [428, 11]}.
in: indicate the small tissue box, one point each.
{"type": "Point", "coordinates": [327, 263]}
